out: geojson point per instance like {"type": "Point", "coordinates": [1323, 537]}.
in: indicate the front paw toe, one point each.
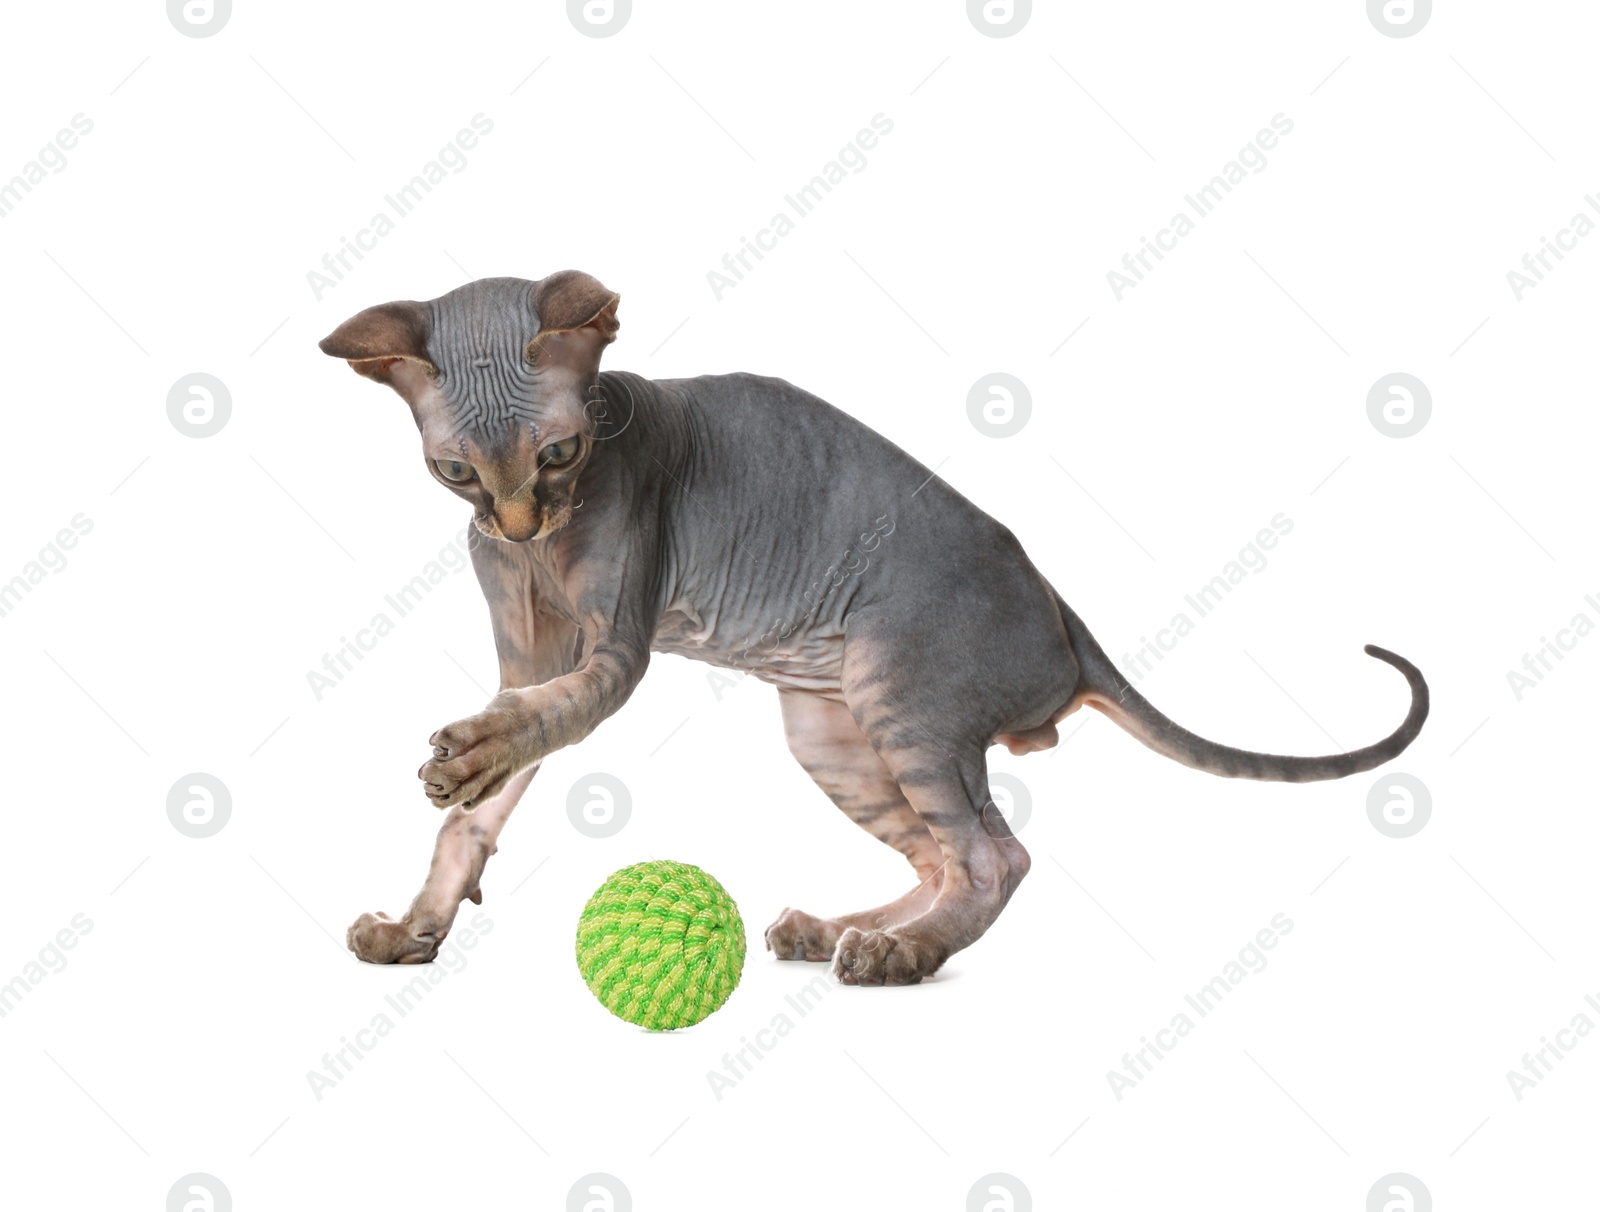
{"type": "Point", "coordinates": [799, 936]}
{"type": "Point", "coordinates": [438, 781]}
{"type": "Point", "coordinates": [467, 775]}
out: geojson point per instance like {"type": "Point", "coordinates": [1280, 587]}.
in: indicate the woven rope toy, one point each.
{"type": "Point", "coordinates": [661, 944]}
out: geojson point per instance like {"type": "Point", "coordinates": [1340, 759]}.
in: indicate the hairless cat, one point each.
{"type": "Point", "coordinates": [738, 520]}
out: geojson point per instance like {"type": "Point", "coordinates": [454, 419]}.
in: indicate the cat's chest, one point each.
{"type": "Point", "coordinates": [765, 621]}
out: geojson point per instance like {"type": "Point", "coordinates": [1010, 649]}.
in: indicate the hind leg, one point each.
{"type": "Point", "coordinates": [930, 726]}
{"type": "Point", "coordinates": [826, 741]}
{"type": "Point", "coordinates": [933, 677]}
{"type": "Point", "coordinates": [982, 866]}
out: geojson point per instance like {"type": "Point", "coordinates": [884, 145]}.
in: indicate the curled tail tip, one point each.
{"type": "Point", "coordinates": [1393, 658]}
{"type": "Point", "coordinates": [1419, 689]}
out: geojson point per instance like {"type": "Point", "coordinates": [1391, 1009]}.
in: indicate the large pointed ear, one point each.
{"type": "Point", "coordinates": [577, 318]}
{"type": "Point", "coordinates": [372, 341]}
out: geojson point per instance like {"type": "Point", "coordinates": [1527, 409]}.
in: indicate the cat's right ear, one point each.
{"type": "Point", "coordinates": [374, 340]}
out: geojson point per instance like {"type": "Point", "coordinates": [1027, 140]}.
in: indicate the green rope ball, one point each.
{"type": "Point", "coordinates": [661, 944]}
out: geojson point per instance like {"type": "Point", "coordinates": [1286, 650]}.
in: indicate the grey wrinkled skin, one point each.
{"type": "Point", "coordinates": [741, 521]}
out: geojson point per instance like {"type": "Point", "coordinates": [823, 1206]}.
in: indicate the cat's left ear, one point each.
{"type": "Point", "coordinates": [372, 341]}
{"type": "Point", "coordinates": [577, 320]}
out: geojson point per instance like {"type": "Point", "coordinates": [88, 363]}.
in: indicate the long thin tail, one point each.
{"type": "Point", "coordinates": [1102, 686]}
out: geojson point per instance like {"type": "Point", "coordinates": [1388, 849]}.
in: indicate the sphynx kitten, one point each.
{"type": "Point", "coordinates": [736, 519]}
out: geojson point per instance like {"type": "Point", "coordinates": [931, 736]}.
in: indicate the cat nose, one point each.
{"type": "Point", "coordinates": [518, 519]}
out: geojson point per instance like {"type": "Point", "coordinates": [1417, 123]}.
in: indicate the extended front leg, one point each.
{"type": "Point", "coordinates": [534, 647]}
{"type": "Point", "coordinates": [465, 843]}
{"type": "Point", "coordinates": [474, 758]}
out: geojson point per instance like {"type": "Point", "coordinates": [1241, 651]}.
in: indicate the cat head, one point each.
{"type": "Point", "coordinates": [501, 376]}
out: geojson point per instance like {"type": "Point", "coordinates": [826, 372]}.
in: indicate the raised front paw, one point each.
{"type": "Point", "coordinates": [473, 759]}
{"type": "Point", "coordinates": [377, 938]}
{"type": "Point", "coordinates": [882, 957]}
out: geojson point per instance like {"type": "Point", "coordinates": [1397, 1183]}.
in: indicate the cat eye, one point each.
{"type": "Point", "coordinates": [454, 470]}
{"type": "Point", "coordinates": [557, 453]}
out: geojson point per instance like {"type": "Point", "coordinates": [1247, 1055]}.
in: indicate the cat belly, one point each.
{"type": "Point", "coordinates": [802, 660]}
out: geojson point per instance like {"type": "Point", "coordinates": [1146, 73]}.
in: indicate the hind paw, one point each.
{"type": "Point", "coordinates": [882, 957]}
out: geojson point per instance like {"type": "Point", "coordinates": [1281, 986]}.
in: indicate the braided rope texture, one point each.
{"type": "Point", "coordinates": [661, 944]}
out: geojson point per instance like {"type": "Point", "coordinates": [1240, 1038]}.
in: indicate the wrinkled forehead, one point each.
{"type": "Point", "coordinates": [491, 318]}
{"type": "Point", "coordinates": [488, 389]}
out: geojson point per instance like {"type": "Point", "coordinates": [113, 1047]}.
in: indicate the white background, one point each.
{"type": "Point", "coordinates": [1228, 387]}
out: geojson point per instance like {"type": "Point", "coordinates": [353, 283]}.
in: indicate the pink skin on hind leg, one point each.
{"type": "Point", "coordinates": [826, 741]}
